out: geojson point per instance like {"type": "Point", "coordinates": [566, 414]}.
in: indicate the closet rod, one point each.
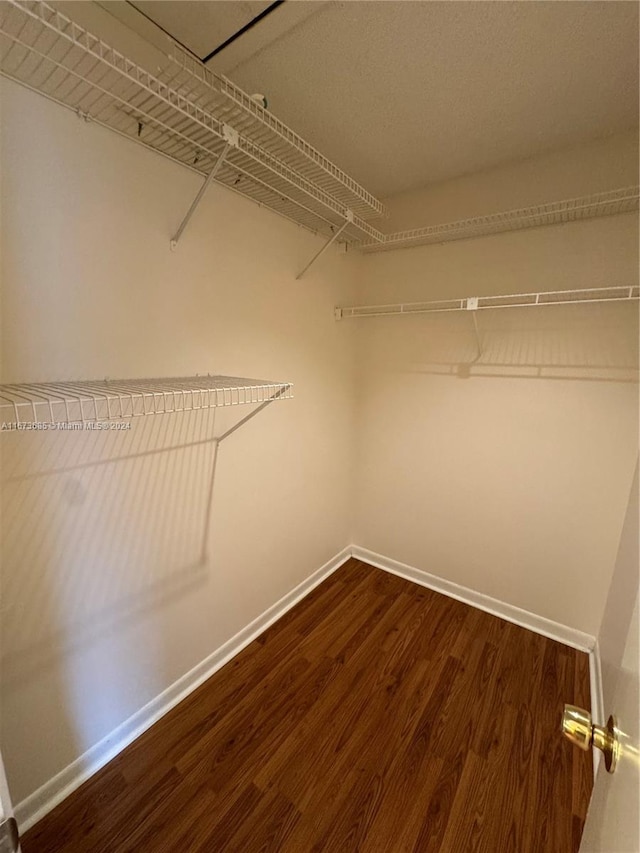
{"type": "Point", "coordinates": [475, 303]}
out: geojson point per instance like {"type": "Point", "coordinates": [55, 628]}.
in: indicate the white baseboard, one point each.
{"type": "Point", "coordinates": [539, 624]}
{"type": "Point", "coordinates": [42, 801]}
{"type": "Point", "coordinates": [516, 615]}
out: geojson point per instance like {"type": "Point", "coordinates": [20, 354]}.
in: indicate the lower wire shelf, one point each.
{"type": "Point", "coordinates": [43, 403]}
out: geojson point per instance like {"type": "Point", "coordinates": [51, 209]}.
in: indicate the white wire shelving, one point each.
{"type": "Point", "coordinates": [185, 112]}
{"type": "Point", "coordinates": [622, 200]}
{"type": "Point", "coordinates": [475, 303]}
{"type": "Point", "coordinates": [55, 403]}
{"type": "Point", "coordinates": [222, 97]}
{"type": "Point", "coordinates": [205, 122]}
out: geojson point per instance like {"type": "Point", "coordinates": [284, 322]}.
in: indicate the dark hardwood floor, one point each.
{"type": "Point", "coordinates": [376, 715]}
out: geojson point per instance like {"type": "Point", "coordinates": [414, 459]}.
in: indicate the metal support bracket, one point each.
{"type": "Point", "coordinates": [231, 141]}
{"type": "Point", "coordinates": [230, 136]}
{"type": "Point", "coordinates": [216, 444]}
{"type": "Point", "coordinates": [348, 220]}
{"type": "Point", "coordinates": [252, 414]}
{"type": "Point", "coordinates": [478, 339]}
{"type": "Point", "coordinates": [472, 305]}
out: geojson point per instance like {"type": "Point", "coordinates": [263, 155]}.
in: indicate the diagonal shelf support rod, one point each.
{"type": "Point", "coordinates": [477, 331]}
{"type": "Point", "coordinates": [347, 221]}
{"type": "Point", "coordinates": [216, 444]}
{"type": "Point", "coordinates": [252, 414]}
{"type": "Point", "coordinates": [194, 204]}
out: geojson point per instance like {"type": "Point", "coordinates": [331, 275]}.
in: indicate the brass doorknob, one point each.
{"type": "Point", "coordinates": [578, 727]}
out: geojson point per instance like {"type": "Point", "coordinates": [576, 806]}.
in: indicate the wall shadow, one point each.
{"type": "Point", "coordinates": [563, 342]}
{"type": "Point", "coordinates": [97, 527]}
{"type": "Point", "coordinates": [102, 532]}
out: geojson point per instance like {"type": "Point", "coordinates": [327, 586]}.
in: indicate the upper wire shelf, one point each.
{"type": "Point", "coordinates": [621, 200]}
{"type": "Point", "coordinates": [205, 122]}
{"type": "Point", "coordinates": [116, 399]}
{"type": "Point", "coordinates": [184, 112]}
{"type": "Point", "coordinates": [221, 96]}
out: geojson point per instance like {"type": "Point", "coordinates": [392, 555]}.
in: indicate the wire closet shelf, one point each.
{"type": "Point", "coordinates": [621, 200]}
{"type": "Point", "coordinates": [222, 97]}
{"type": "Point", "coordinates": [205, 122]}
{"type": "Point", "coordinates": [117, 399]}
{"type": "Point", "coordinates": [185, 112]}
{"type": "Point", "coordinates": [475, 303]}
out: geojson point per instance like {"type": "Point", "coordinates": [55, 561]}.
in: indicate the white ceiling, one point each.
{"type": "Point", "coordinates": [401, 94]}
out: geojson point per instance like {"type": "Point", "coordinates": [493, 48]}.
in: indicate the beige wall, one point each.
{"type": "Point", "coordinates": [509, 472]}
{"type": "Point", "coordinates": [106, 601]}
{"type": "Point", "coordinates": [594, 167]}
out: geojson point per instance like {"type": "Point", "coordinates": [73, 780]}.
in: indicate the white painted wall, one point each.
{"type": "Point", "coordinates": [594, 167]}
{"type": "Point", "coordinates": [105, 600]}
{"type": "Point", "coordinates": [508, 473]}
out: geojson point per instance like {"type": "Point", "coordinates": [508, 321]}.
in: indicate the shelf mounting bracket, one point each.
{"type": "Point", "coordinates": [231, 141]}
{"type": "Point", "coordinates": [348, 219]}
{"type": "Point", "coordinates": [472, 305]}
{"type": "Point", "coordinates": [216, 445]}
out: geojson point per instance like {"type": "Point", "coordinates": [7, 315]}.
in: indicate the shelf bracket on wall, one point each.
{"type": "Point", "coordinates": [280, 392]}
{"type": "Point", "coordinates": [348, 220]}
{"type": "Point", "coordinates": [231, 141]}
{"type": "Point", "coordinates": [472, 305]}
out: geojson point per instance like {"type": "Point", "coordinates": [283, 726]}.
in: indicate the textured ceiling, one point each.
{"type": "Point", "coordinates": [401, 94]}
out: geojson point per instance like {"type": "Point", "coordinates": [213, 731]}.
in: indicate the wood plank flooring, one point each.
{"type": "Point", "coordinates": [376, 715]}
